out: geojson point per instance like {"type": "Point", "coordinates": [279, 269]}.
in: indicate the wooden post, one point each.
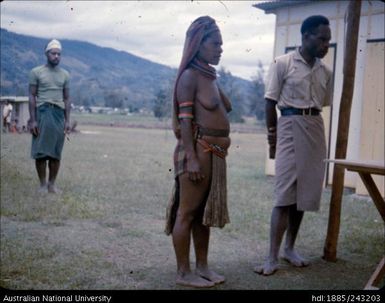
{"type": "Point", "coordinates": [351, 39]}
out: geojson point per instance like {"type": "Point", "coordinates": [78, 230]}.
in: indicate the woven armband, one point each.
{"type": "Point", "coordinates": [186, 104]}
{"type": "Point", "coordinates": [185, 116]}
{"type": "Point", "coordinates": [186, 110]}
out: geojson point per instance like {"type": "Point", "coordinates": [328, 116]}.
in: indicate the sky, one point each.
{"type": "Point", "coordinates": [154, 30]}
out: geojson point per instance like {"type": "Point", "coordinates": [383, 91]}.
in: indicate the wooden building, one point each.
{"type": "Point", "coordinates": [366, 134]}
{"type": "Point", "coordinates": [20, 109]}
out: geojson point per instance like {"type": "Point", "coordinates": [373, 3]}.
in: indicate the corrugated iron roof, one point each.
{"type": "Point", "coordinates": [270, 6]}
{"type": "Point", "coordinates": [14, 98]}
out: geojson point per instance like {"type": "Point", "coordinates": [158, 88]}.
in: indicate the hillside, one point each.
{"type": "Point", "coordinates": [100, 76]}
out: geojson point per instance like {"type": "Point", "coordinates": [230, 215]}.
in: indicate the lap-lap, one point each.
{"type": "Point", "coordinates": [299, 166]}
{"type": "Point", "coordinates": [50, 141]}
{"type": "Point", "coordinates": [193, 194]}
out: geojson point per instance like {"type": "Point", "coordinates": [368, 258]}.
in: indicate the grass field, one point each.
{"type": "Point", "coordinates": [105, 230]}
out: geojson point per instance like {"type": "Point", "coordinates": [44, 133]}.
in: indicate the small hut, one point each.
{"type": "Point", "coordinates": [20, 111]}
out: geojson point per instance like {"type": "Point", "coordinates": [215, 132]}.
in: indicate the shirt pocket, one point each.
{"type": "Point", "coordinates": [299, 88]}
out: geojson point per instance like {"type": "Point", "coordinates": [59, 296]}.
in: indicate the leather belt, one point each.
{"type": "Point", "coordinates": [299, 111]}
{"type": "Point", "coordinates": [212, 132]}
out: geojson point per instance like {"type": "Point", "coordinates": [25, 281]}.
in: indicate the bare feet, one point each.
{"type": "Point", "coordinates": [210, 275]}
{"type": "Point", "coordinates": [268, 268]}
{"type": "Point", "coordinates": [53, 189]}
{"type": "Point", "coordinates": [42, 189]}
{"type": "Point", "coordinates": [193, 280]}
{"type": "Point", "coordinates": [295, 259]}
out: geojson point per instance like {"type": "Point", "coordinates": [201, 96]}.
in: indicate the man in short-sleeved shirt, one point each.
{"type": "Point", "coordinates": [49, 109]}
{"type": "Point", "coordinates": [50, 83]}
{"type": "Point", "coordinates": [299, 84]}
{"type": "Point", "coordinates": [292, 82]}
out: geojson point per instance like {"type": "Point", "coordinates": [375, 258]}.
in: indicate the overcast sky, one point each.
{"type": "Point", "coordinates": [154, 30]}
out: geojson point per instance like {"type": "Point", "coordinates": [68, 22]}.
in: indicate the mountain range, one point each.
{"type": "Point", "coordinates": [100, 76]}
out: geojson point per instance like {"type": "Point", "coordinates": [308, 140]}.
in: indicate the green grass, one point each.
{"type": "Point", "coordinates": [119, 119]}
{"type": "Point", "coordinates": [105, 230]}
{"type": "Point", "coordinates": [149, 121]}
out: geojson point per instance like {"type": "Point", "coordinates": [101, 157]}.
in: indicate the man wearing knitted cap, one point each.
{"type": "Point", "coordinates": [201, 127]}
{"type": "Point", "coordinates": [49, 109]}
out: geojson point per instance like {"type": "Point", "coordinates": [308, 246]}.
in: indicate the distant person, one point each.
{"type": "Point", "coordinates": [49, 109]}
{"type": "Point", "coordinates": [7, 116]}
{"type": "Point", "coordinates": [299, 84]}
{"type": "Point", "coordinates": [15, 128]}
{"type": "Point", "coordinates": [201, 126]}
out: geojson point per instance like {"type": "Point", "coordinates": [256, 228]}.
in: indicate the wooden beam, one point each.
{"type": "Point", "coordinates": [374, 193]}
{"type": "Point", "coordinates": [350, 56]}
{"type": "Point", "coordinates": [377, 276]}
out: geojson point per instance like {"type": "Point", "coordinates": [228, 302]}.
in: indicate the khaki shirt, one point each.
{"type": "Point", "coordinates": [294, 83]}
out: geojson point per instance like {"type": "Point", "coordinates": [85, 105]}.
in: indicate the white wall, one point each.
{"type": "Point", "coordinates": [288, 24]}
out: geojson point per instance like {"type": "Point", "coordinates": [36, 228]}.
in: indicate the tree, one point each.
{"type": "Point", "coordinates": [257, 106]}
{"type": "Point", "coordinates": [80, 97]}
{"type": "Point", "coordinates": [228, 86]}
{"type": "Point", "coordinates": [114, 99]}
{"type": "Point", "coordinates": [162, 102]}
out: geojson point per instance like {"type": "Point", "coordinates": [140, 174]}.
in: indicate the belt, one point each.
{"type": "Point", "coordinates": [214, 148]}
{"type": "Point", "coordinates": [47, 104]}
{"type": "Point", "coordinates": [298, 111]}
{"type": "Point", "coordinates": [212, 132]}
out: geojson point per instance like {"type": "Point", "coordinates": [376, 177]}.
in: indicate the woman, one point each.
{"type": "Point", "coordinates": [202, 128]}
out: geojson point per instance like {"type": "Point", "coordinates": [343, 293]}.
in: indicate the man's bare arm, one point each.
{"type": "Point", "coordinates": [32, 110]}
{"type": "Point", "coordinates": [271, 124]}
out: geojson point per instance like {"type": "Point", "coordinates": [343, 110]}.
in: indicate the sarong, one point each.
{"type": "Point", "coordinates": [216, 211]}
{"type": "Point", "coordinates": [299, 165]}
{"type": "Point", "coordinates": [50, 141]}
